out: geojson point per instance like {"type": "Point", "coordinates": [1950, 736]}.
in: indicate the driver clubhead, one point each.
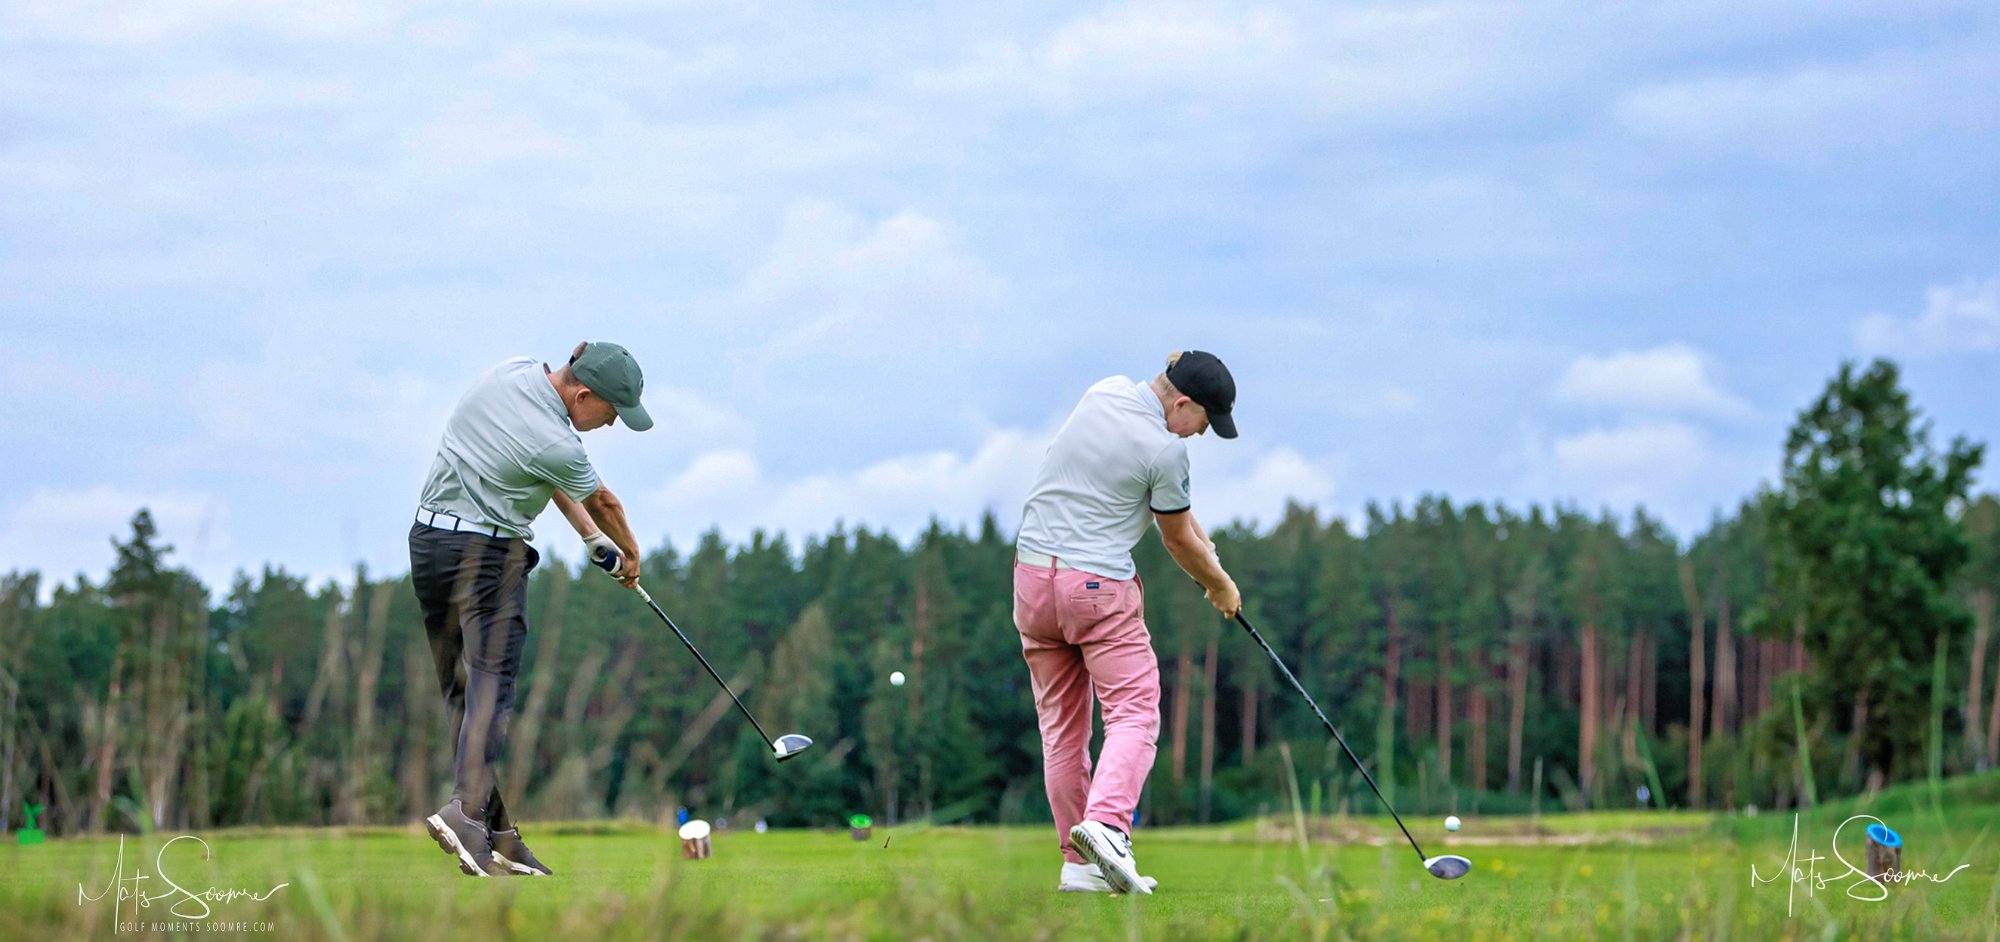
{"type": "Point", "coordinates": [789, 745]}
{"type": "Point", "coordinates": [1448, 866]}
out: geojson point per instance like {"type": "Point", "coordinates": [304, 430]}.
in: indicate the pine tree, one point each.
{"type": "Point", "coordinates": [1981, 580]}
{"type": "Point", "coordinates": [1865, 516]}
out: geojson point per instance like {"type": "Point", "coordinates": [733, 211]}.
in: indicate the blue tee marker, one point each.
{"type": "Point", "coordinates": [1885, 852]}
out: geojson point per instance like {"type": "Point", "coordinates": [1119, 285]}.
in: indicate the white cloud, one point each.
{"type": "Point", "coordinates": [1232, 484]}
{"type": "Point", "coordinates": [1680, 473]}
{"type": "Point", "coordinates": [61, 533]}
{"type": "Point", "coordinates": [837, 287]}
{"type": "Point", "coordinates": [1672, 379]}
{"type": "Point", "coordinates": [151, 24]}
{"type": "Point", "coordinates": [1630, 464]}
{"type": "Point", "coordinates": [222, 94]}
{"type": "Point", "coordinates": [841, 232]}
{"type": "Point", "coordinates": [1718, 108]}
{"type": "Point", "coordinates": [1823, 114]}
{"type": "Point", "coordinates": [689, 415]}
{"type": "Point", "coordinates": [733, 490]}
{"type": "Point", "coordinates": [1211, 65]}
{"type": "Point", "coordinates": [1961, 318]}
{"type": "Point", "coordinates": [715, 479]}
{"type": "Point", "coordinates": [306, 402]}
{"type": "Point", "coordinates": [1143, 44]}
{"type": "Point", "coordinates": [37, 375]}
{"type": "Point", "coordinates": [486, 133]}
{"type": "Point", "coordinates": [1387, 401]}
{"type": "Point", "coordinates": [856, 283]}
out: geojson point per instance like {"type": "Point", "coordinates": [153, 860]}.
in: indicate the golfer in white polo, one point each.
{"type": "Point", "coordinates": [510, 446]}
{"type": "Point", "coordinates": [1118, 466]}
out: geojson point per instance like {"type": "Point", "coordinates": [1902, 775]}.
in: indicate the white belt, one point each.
{"type": "Point", "coordinates": [445, 521]}
{"type": "Point", "coordinates": [1040, 560]}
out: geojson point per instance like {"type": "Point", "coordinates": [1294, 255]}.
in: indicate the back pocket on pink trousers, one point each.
{"type": "Point", "coordinates": [1096, 599]}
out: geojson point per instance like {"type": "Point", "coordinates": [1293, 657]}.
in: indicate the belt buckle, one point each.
{"type": "Point", "coordinates": [436, 520]}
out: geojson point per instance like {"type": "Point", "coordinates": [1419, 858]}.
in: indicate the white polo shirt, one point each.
{"type": "Point", "coordinates": [506, 449]}
{"type": "Point", "coordinates": [1111, 467]}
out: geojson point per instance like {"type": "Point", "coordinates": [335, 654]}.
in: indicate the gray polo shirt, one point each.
{"type": "Point", "coordinates": [1112, 466]}
{"type": "Point", "coordinates": [506, 448]}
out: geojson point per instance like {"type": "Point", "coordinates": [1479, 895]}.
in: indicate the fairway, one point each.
{"type": "Point", "coordinates": [1607, 875]}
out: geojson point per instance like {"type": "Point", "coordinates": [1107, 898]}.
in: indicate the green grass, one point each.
{"type": "Point", "coordinates": [1586, 876]}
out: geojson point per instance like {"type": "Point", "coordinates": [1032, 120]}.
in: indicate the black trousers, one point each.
{"type": "Point", "coordinates": [474, 592]}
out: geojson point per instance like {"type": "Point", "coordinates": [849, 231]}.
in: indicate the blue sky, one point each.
{"type": "Point", "coordinates": [250, 253]}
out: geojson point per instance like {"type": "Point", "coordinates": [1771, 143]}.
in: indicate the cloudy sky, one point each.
{"type": "Point", "coordinates": [870, 254]}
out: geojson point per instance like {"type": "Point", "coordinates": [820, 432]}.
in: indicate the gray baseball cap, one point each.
{"type": "Point", "coordinates": [611, 372]}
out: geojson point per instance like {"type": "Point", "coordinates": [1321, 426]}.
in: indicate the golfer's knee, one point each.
{"type": "Point", "coordinates": [1066, 736]}
{"type": "Point", "coordinates": [1066, 739]}
{"type": "Point", "coordinates": [1065, 762]}
{"type": "Point", "coordinates": [1134, 720]}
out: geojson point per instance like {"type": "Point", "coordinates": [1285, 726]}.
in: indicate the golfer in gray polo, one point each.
{"type": "Point", "coordinates": [510, 446]}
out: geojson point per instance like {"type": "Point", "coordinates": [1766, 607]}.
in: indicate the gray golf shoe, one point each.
{"type": "Point", "coordinates": [466, 839]}
{"type": "Point", "coordinates": [515, 857]}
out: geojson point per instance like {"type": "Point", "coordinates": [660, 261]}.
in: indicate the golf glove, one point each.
{"type": "Point", "coordinates": [602, 552]}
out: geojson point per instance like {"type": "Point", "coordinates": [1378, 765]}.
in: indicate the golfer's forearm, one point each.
{"type": "Point", "coordinates": [1199, 533]}
{"type": "Point", "coordinates": [1195, 560]}
{"type": "Point", "coordinates": [609, 514]}
{"type": "Point", "coordinates": [578, 518]}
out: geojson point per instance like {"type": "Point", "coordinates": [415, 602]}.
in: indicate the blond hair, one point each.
{"type": "Point", "coordinates": [1162, 386]}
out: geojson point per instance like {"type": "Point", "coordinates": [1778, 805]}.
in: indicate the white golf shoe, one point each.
{"type": "Point", "coordinates": [1111, 851]}
{"type": "Point", "coordinates": [1087, 878]}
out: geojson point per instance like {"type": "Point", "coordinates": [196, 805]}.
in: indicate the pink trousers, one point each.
{"type": "Point", "coordinates": [1083, 635]}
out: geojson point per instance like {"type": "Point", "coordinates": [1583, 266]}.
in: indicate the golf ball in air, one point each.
{"type": "Point", "coordinates": [896, 678]}
{"type": "Point", "coordinates": [1451, 822]}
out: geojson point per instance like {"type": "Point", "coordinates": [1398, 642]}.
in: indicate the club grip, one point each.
{"type": "Point", "coordinates": [605, 558]}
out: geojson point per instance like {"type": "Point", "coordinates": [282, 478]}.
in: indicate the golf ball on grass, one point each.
{"type": "Point", "coordinates": [1451, 822]}
{"type": "Point", "coordinates": [896, 678]}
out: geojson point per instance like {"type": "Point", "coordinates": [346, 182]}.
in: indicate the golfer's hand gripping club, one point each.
{"type": "Point", "coordinates": [1228, 599]}
{"type": "Point", "coordinates": [605, 556]}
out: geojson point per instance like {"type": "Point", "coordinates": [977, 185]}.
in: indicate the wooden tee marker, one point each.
{"type": "Point", "coordinates": [1885, 853]}
{"type": "Point", "coordinates": [694, 841]}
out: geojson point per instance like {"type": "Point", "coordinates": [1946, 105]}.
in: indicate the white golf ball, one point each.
{"type": "Point", "coordinates": [896, 678]}
{"type": "Point", "coordinates": [1451, 822]}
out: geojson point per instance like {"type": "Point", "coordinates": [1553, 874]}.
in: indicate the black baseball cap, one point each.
{"type": "Point", "coordinates": [1202, 378]}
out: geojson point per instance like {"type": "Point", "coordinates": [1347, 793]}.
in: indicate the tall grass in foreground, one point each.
{"type": "Point", "coordinates": [1625, 875]}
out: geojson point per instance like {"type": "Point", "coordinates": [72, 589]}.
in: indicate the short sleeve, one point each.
{"type": "Point", "coordinates": [565, 465]}
{"type": "Point", "coordinates": [1170, 480]}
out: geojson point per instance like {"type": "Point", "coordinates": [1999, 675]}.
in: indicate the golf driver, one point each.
{"type": "Point", "coordinates": [1443, 866]}
{"type": "Point", "coordinates": [782, 748]}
